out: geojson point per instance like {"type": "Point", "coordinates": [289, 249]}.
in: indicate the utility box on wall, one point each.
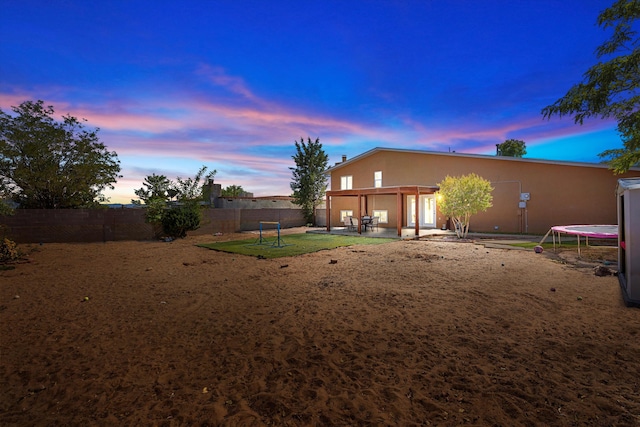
{"type": "Point", "coordinates": [628, 195]}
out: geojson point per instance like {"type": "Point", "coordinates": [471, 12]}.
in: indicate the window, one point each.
{"type": "Point", "coordinates": [344, 214]}
{"type": "Point", "coordinates": [377, 179]}
{"type": "Point", "coordinates": [346, 182]}
{"type": "Point", "coordinates": [382, 215]}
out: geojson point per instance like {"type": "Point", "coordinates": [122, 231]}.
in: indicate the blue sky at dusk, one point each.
{"type": "Point", "coordinates": [233, 84]}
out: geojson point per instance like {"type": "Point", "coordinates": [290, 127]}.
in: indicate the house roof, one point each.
{"type": "Point", "coordinates": [473, 156]}
{"type": "Point", "coordinates": [629, 183]}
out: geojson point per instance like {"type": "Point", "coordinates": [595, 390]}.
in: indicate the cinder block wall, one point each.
{"type": "Point", "coordinates": [101, 225]}
{"type": "Point", "coordinates": [76, 225]}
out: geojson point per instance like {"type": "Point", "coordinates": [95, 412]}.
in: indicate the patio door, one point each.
{"type": "Point", "coordinates": [427, 211]}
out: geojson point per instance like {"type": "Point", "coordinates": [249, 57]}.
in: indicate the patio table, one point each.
{"type": "Point", "coordinates": [366, 221]}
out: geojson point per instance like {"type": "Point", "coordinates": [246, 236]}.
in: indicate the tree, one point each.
{"type": "Point", "coordinates": [156, 192]}
{"type": "Point", "coordinates": [461, 197]}
{"type": "Point", "coordinates": [611, 88]}
{"type": "Point", "coordinates": [157, 187]}
{"type": "Point", "coordinates": [190, 190]}
{"type": "Point", "coordinates": [309, 182]}
{"type": "Point", "coordinates": [6, 206]}
{"type": "Point", "coordinates": [233, 191]}
{"type": "Point", "coordinates": [179, 216]}
{"type": "Point", "coordinates": [50, 164]}
{"type": "Point", "coordinates": [512, 148]}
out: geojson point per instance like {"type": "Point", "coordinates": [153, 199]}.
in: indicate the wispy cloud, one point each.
{"type": "Point", "coordinates": [249, 139]}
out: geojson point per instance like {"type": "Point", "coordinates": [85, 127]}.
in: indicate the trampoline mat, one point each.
{"type": "Point", "coordinates": [596, 231]}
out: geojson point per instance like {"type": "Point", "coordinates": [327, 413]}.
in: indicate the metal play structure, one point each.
{"type": "Point", "coordinates": [274, 242]}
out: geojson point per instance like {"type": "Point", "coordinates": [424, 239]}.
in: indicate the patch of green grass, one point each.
{"type": "Point", "coordinates": [294, 244]}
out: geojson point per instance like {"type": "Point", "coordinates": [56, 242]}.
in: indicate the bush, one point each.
{"type": "Point", "coordinates": [177, 221]}
{"type": "Point", "coordinates": [8, 250]}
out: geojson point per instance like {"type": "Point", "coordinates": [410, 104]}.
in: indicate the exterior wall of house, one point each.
{"type": "Point", "coordinates": [560, 193]}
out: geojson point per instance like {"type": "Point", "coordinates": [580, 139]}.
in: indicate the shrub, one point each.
{"type": "Point", "coordinates": [177, 221]}
{"type": "Point", "coordinates": [8, 250]}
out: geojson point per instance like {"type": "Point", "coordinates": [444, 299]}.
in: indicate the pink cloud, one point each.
{"type": "Point", "coordinates": [219, 77]}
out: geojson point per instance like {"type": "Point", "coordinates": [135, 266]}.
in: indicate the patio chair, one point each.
{"type": "Point", "coordinates": [353, 224]}
{"type": "Point", "coordinates": [374, 223]}
{"type": "Point", "coordinates": [347, 222]}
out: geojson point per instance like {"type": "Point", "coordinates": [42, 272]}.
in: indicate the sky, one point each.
{"type": "Point", "coordinates": [233, 84]}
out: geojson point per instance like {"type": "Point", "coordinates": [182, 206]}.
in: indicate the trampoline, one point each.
{"type": "Point", "coordinates": [593, 231]}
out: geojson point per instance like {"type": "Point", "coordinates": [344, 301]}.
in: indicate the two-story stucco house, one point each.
{"type": "Point", "coordinates": [530, 196]}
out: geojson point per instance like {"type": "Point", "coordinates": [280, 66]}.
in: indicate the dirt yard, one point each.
{"type": "Point", "coordinates": [409, 333]}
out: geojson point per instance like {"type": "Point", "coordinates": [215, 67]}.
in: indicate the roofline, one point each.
{"type": "Point", "coordinates": [473, 156]}
{"type": "Point", "coordinates": [629, 183]}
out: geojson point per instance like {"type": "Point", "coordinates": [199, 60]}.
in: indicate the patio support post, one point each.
{"type": "Point", "coordinates": [399, 214]}
{"type": "Point", "coordinates": [359, 213]}
{"type": "Point", "coordinates": [328, 210]}
{"type": "Point", "coordinates": [417, 220]}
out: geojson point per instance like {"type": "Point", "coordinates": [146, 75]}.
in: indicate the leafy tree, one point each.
{"type": "Point", "coordinates": [309, 182]}
{"type": "Point", "coordinates": [51, 164]}
{"type": "Point", "coordinates": [512, 148]}
{"type": "Point", "coordinates": [186, 214]}
{"type": "Point", "coordinates": [156, 192]}
{"type": "Point", "coordinates": [611, 88]}
{"type": "Point", "coordinates": [181, 215]}
{"type": "Point", "coordinates": [461, 197]}
{"type": "Point", "coordinates": [190, 190]}
{"type": "Point", "coordinates": [233, 191]}
{"type": "Point", "coordinates": [6, 207]}
{"type": "Point", "coordinates": [154, 187]}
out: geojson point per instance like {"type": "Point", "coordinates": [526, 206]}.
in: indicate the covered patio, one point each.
{"type": "Point", "coordinates": [399, 191]}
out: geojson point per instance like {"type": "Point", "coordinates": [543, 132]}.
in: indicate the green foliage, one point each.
{"type": "Point", "coordinates": [8, 250]}
{"type": "Point", "coordinates": [512, 148]}
{"type": "Point", "coordinates": [179, 216]}
{"type": "Point", "coordinates": [233, 191]}
{"type": "Point", "coordinates": [154, 187]}
{"type": "Point", "coordinates": [155, 194]}
{"type": "Point", "coordinates": [5, 208]}
{"type": "Point", "coordinates": [190, 190]}
{"type": "Point", "coordinates": [51, 164]}
{"type": "Point", "coordinates": [309, 182]}
{"type": "Point", "coordinates": [156, 208]}
{"type": "Point", "coordinates": [611, 88]}
{"type": "Point", "coordinates": [177, 220]}
{"type": "Point", "coordinates": [461, 197]}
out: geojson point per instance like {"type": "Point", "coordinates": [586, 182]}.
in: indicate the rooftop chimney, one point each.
{"type": "Point", "coordinates": [344, 158]}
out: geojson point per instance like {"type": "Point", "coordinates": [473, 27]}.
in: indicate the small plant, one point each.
{"type": "Point", "coordinates": [8, 250]}
{"type": "Point", "coordinates": [177, 221]}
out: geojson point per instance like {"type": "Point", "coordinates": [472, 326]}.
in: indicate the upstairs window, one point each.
{"type": "Point", "coordinates": [377, 179]}
{"type": "Point", "coordinates": [346, 182]}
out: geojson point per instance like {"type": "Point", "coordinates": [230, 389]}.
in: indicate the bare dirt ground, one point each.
{"type": "Point", "coordinates": [400, 334]}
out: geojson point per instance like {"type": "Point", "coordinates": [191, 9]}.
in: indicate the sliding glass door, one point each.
{"type": "Point", "coordinates": [427, 211]}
